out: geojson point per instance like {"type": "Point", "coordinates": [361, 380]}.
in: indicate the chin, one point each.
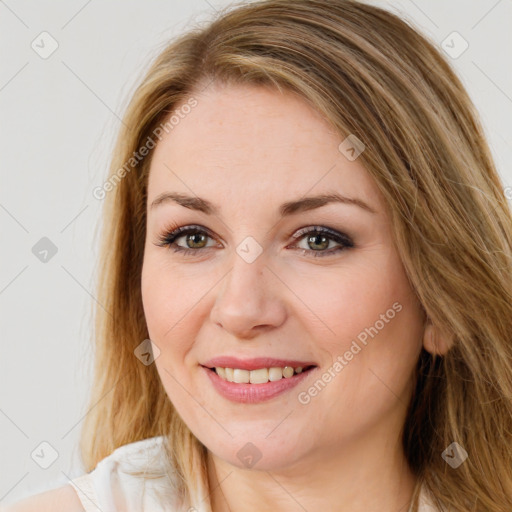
{"type": "Point", "coordinates": [258, 453]}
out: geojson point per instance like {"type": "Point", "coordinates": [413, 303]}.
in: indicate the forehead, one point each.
{"type": "Point", "coordinates": [257, 141]}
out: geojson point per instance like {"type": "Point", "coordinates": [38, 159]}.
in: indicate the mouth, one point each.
{"type": "Point", "coordinates": [258, 375]}
{"type": "Point", "coordinates": [256, 380]}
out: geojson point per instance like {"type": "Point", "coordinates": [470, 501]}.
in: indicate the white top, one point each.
{"type": "Point", "coordinates": [111, 488]}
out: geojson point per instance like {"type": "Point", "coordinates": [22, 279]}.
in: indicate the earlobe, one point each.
{"type": "Point", "coordinates": [435, 341]}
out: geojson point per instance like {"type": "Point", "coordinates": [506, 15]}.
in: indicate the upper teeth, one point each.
{"type": "Point", "coordinates": [259, 376]}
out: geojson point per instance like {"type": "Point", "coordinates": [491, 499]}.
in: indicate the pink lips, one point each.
{"type": "Point", "coordinates": [255, 393]}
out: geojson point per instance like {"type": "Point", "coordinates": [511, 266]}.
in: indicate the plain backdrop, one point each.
{"type": "Point", "coordinates": [59, 116]}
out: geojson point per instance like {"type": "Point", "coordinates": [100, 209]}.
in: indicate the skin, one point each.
{"type": "Point", "coordinates": [248, 149]}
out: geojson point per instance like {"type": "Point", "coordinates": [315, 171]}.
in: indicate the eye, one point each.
{"type": "Point", "coordinates": [196, 236]}
{"type": "Point", "coordinates": [320, 237]}
{"type": "Point", "coordinates": [317, 238]}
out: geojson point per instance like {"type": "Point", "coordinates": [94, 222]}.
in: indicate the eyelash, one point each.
{"type": "Point", "coordinates": [167, 239]}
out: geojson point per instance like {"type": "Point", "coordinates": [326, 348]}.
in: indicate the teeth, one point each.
{"type": "Point", "coordinates": [240, 376]}
{"type": "Point", "coordinates": [287, 371]}
{"type": "Point", "coordinates": [259, 376]}
{"type": "Point", "coordinates": [275, 374]}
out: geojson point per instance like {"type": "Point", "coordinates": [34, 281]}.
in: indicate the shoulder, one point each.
{"type": "Point", "coordinates": [119, 477]}
{"type": "Point", "coordinates": [138, 450]}
{"type": "Point", "coordinates": [62, 499]}
{"type": "Point", "coordinates": [426, 501]}
{"type": "Point", "coordinates": [146, 456]}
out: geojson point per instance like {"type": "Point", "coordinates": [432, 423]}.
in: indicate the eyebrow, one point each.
{"type": "Point", "coordinates": [288, 208]}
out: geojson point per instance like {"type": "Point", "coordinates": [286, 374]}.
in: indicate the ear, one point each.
{"type": "Point", "coordinates": [436, 341]}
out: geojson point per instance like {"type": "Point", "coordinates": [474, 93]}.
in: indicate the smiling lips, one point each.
{"type": "Point", "coordinates": [235, 378]}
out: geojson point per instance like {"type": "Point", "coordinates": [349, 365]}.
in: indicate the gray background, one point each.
{"type": "Point", "coordinates": [59, 117]}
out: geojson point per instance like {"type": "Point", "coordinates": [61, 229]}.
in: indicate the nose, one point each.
{"type": "Point", "coordinates": [249, 299]}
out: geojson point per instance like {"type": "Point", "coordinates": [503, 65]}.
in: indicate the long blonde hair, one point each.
{"type": "Point", "coordinates": [373, 75]}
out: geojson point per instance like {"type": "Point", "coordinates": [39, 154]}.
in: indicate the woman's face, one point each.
{"type": "Point", "coordinates": [248, 289]}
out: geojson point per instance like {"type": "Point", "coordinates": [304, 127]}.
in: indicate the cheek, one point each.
{"type": "Point", "coordinates": [166, 310]}
{"type": "Point", "coordinates": [173, 300]}
{"type": "Point", "coordinates": [167, 298]}
{"type": "Point", "coordinates": [350, 299]}
{"type": "Point", "coordinates": [164, 306]}
{"type": "Point", "coordinates": [373, 322]}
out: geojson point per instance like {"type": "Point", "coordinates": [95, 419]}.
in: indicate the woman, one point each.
{"type": "Point", "coordinates": [307, 277]}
